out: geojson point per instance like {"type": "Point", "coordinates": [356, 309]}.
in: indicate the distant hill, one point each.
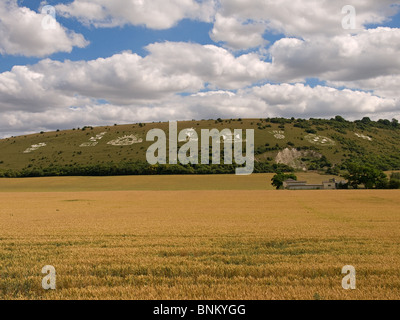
{"type": "Point", "coordinates": [280, 144]}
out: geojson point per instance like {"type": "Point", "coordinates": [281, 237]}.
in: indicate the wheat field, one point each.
{"type": "Point", "coordinates": [200, 244]}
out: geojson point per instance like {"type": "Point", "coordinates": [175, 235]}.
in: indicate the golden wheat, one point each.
{"type": "Point", "coordinates": [200, 244]}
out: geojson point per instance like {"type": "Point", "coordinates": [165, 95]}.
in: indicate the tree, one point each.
{"type": "Point", "coordinates": [385, 122]}
{"type": "Point", "coordinates": [366, 120]}
{"type": "Point", "coordinates": [394, 182]}
{"type": "Point", "coordinates": [366, 175]}
{"type": "Point", "coordinates": [340, 119]}
{"type": "Point", "coordinates": [279, 178]}
{"type": "Point", "coordinates": [334, 170]}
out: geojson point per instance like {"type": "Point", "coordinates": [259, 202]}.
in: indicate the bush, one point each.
{"type": "Point", "coordinates": [367, 175]}
{"type": "Point", "coordinates": [333, 171]}
{"type": "Point", "coordinates": [394, 182]}
{"type": "Point", "coordinates": [278, 179]}
{"type": "Point", "coordinates": [137, 168]}
{"type": "Point", "coordinates": [339, 119]}
{"type": "Point", "coordinates": [312, 131]}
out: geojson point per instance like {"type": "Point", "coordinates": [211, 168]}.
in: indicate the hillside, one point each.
{"type": "Point", "coordinates": [313, 144]}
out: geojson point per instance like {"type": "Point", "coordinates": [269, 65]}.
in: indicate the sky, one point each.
{"type": "Point", "coordinates": [67, 64]}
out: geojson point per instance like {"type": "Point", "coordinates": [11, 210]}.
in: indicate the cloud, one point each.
{"type": "Point", "coordinates": [213, 65]}
{"type": "Point", "coordinates": [65, 95]}
{"type": "Point", "coordinates": [238, 24]}
{"type": "Point", "coordinates": [369, 54]}
{"type": "Point", "coordinates": [218, 83]}
{"type": "Point", "coordinates": [299, 100]}
{"type": "Point", "coordinates": [21, 33]}
{"type": "Point", "coordinates": [121, 79]}
{"type": "Point", "coordinates": [178, 80]}
{"type": "Point", "coordinates": [237, 34]}
{"type": "Point", "coordinates": [126, 78]}
{"type": "Point", "coordinates": [304, 19]}
{"type": "Point", "coordinates": [259, 102]}
{"type": "Point", "coordinates": [25, 89]}
{"type": "Point", "coordinates": [384, 86]}
{"type": "Point", "coordinates": [154, 14]}
{"type": "Point", "coordinates": [123, 86]}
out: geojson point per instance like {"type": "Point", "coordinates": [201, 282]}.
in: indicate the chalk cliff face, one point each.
{"type": "Point", "coordinates": [292, 157]}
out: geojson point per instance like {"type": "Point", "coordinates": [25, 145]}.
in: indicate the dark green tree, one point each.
{"type": "Point", "coordinates": [394, 182]}
{"type": "Point", "coordinates": [278, 179]}
{"type": "Point", "coordinates": [367, 175]}
{"type": "Point", "coordinates": [366, 120]}
{"type": "Point", "coordinates": [340, 119]}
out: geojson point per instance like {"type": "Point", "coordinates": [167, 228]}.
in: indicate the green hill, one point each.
{"type": "Point", "coordinates": [315, 144]}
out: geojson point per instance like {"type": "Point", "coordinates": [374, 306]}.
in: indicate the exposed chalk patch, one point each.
{"type": "Point", "coordinates": [125, 141]}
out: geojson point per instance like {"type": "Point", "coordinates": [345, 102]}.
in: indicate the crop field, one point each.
{"type": "Point", "coordinates": [150, 183]}
{"type": "Point", "coordinates": [208, 242]}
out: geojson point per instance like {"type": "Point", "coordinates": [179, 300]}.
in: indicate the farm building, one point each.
{"type": "Point", "coordinates": [291, 184]}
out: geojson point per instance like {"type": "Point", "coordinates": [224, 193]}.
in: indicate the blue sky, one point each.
{"type": "Point", "coordinates": [134, 60]}
{"type": "Point", "coordinates": [107, 42]}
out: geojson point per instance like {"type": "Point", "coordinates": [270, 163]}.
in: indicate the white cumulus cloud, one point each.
{"type": "Point", "coordinates": [21, 33]}
{"type": "Point", "coordinates": [293, 18]}
{"type": "Point", "coordinates": [154, 14]}
{"type": "Point", "coordinates": [369, 54]}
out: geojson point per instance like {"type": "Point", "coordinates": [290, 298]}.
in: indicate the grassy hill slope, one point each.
{"type": "Point", "coordinates": [313, 144]}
